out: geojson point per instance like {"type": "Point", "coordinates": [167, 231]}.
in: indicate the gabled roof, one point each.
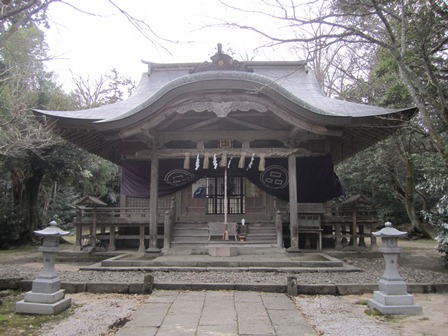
{"type": "Point", "coordinates": [90, 200]}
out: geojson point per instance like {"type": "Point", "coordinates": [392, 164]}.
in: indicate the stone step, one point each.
{"type": "Point", "coordinates": [252, 249]}
{"type": "Point", "coordinates": [192, 239]}
{"type": "Point", "coordinates": [175, 239]}
{"type": "Point", "coordinates": [191, 226]}
{"type": "Point", "coordinates": [261, 223]}
{"type": "Point", "coordinates": [261, 238]}
{"type": "Point", "coordinates": [188, 232]}
{"type": "Point", "coordinates": [197, 233]}
{"type": "Point", "coordinates": [255, 232]}
{"type": "Point", "coordinates": [252, 244]}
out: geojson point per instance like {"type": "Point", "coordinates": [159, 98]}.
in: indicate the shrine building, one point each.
{"type": "Point", "coordinates": [223, 151]}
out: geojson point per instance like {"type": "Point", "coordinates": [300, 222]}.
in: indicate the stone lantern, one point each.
{"type": "Point", "coordinates": [46, 296]}
{"type": "Point", "coordinates": [392, 297]}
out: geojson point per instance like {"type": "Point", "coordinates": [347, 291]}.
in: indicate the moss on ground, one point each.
{"type": "Point", "coordinates": [23, 324]}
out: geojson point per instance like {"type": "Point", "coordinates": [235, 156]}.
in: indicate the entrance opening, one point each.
{"type": "Point", "coordinates": [235, 195]}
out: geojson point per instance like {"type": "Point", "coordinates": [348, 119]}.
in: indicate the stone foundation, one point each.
{"type": "Point", "coordinates": [223, 251]}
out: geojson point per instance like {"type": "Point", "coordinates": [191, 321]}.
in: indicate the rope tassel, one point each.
{"type": "Point", "coordinates": [187, 161]}
{"type": "Point", "coordinates": [223, 161]}
{"type": "Point", "coordinates": [206, 161]}
{"type": "Point", "coordinates": [262, 164]}
{"type": "Point", "coordinates": [242, 161]}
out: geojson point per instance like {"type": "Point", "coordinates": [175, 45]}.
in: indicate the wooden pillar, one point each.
{"type": "Point", "coordinates": [78, 237]}
{"type": "Point", "coordinates": [167, 230]}
{"type": "Point", "coordinates": [354, 226]}
{"type": "Point", "coordinates": [111, 246]}
{"type": "Point", "coordinates": [361, 232]}
{"type": "Point", "coordinates": [93, 229]}
{"type": "Point", "coordinates": [293, 220]}
{"type": "Point", "coordinates": [338, 237]}
{"type": "Point", "coordinates": [154, 190]}
{"type": "Point", "coordinates": [141, 239]}
{"type": "Point", "coordinates": [78, 230]}
{"type": "Point", "coordinates": [373, 245]}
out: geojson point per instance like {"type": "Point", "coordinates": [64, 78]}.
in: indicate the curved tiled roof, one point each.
{"type": "Point", "coordinates": [287, 89]}
{"type": "Point", "coordinates": [291, 82]}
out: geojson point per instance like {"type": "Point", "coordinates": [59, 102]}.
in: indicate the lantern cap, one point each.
{"type": "Point", "coordinates": [52, 230]}
{"type": "Point", "coordinates": [389, 231]}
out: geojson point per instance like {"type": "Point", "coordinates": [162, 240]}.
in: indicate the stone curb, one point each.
{"type": "Point", "coordinates": [9, 283]}
{"type": "Point", "coordinates": [141, 288]}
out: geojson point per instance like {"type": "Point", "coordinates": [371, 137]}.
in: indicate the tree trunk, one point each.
{"type": "Point", "coordinates": [430, 120]}
{"type": "Point", "coordinates": [409, 198]}
{"type": "Point", "coordinates": [26, 193]}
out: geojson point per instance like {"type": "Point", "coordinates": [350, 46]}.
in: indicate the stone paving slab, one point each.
{"type": "Point", "coordinates": [226, 313]}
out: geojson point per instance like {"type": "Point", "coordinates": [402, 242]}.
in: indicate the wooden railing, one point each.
{"type": "Point", "coordinates": [347, 228]}
{"type": "Point", "coordinates": [112, 215]}
{"type": "Point", "coordinates": [104, 225]}
{"type": "Point", "coordinates": [351, 226]}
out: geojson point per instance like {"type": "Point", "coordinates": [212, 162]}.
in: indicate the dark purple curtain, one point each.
{"type": "Point", "coordinates": [316, 179]}
{"type": "Point", "coordinates": [136, 177]}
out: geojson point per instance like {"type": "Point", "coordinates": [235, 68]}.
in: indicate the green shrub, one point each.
{"type": "Point", "coordinates": [437, 185]}
{"type": "Point", "coordinates": [438, 217]}
{"type": "Point", "coordinates": [10, 221]}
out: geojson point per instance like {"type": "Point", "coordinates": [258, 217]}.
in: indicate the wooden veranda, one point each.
{"type": "Point", "coordinates": [346, 226]}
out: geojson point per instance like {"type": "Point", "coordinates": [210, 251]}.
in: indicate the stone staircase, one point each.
{"type": "Point", "coordinates": [196, 233]}
{"type": "Point", "coordinates": [261, 232]}
{"type": "Point", "coordinates": [189, 233]}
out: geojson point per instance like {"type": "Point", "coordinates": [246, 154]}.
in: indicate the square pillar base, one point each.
{"type": "Point", "coordinates": [223, 251]}
{"type": "Point", "coordinates": [153, 252]}
{"type": "Point", "coordinates": [23, 307]}
{"type": "Point", "coordinates": [393, 287]}
{"type": "Point", "coordinates": [394, 304]}
{"type": "Point", "coordinates": [47, 286]}
{"type": "Point", "coordinates": [293, 251]}
{"type": "Point", "coordinates": [44, 297]}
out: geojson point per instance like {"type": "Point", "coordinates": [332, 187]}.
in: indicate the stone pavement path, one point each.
{"type": "Point", "coordinates": [225, 313]}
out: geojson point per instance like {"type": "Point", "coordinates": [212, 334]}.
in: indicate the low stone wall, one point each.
{"type": "Point", "coordinates": [148, 285]}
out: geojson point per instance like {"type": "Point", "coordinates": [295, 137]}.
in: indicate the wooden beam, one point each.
{"type": "Point", "coordinates": [247, 124]}
{"type": "Point", "coordinates": [200, 124]}
{"type": "Point", "coordinates": [180, 153]}
{"type": "Point", "coordinates": [241, 136]}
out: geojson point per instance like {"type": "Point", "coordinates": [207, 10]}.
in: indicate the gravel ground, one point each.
{"type": "Point", "coordinates": [101, 315]}
{"type": "Point", "coordinates": [373, 270]}
{"type": "Point", "coordinates": [331, 316]}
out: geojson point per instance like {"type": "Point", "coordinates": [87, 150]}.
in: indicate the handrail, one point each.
{"type": "Point", "coordinates": [114, 214]}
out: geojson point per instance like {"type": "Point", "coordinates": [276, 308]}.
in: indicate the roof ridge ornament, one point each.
{"type": "Point", "coordinates": [221, 61]}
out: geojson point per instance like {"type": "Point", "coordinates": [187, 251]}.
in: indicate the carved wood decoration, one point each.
{"type": "Point", "coordinates": [221, 109]}
{"type": "Point", "coordinates": [221, 61]}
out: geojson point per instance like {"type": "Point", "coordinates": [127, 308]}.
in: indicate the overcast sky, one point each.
{"type": "Point", "coordinates": [93, 45]}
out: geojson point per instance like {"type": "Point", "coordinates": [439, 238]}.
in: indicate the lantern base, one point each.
{"type": "Point", "coordinates": [394, 304]}
{"type": "Point", "coordinates": [47, 286]}
{"type": "Point", "coordinates": [43, 308]}
{"type": "Point", "coordinates": [393, 287]}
